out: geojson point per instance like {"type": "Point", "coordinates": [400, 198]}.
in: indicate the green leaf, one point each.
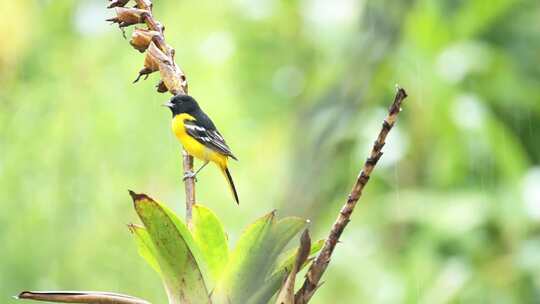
{"type": "Point", "coordinates": [286, 259]}
{"type": "Point", "coordinates": [210, 237]}
{"type": "Point", "coordinates": [272, 284]}
{"type": "Point", "coordinates": [177, 254]}
{"type": "Point", "coordinates": [246, 268]}
{"type": "Point", "coordinates": [145, 246]}
{"type": "Point", "coordinates": [188, 239]}
{"type": "Point", "coordinates": [284, 230]}
{"type": "Point", "coordinates": [254, 256]}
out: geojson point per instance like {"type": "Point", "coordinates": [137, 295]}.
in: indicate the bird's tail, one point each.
{"type": "Point", "coordinates": [228, 176]}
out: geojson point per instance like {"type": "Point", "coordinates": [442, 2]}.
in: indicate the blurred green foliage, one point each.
{"type": "Point", "coordinates": [298, 89]}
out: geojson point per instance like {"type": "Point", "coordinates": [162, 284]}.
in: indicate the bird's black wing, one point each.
{"type": "Point", "coordinates": [209, 136]}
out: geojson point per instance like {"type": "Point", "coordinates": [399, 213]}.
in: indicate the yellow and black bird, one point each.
{"type": "Point", "coordinates": [199, 136]}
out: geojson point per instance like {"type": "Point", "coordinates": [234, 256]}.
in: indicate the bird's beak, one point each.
{"type": "Point", "coordinates": [168, 104]}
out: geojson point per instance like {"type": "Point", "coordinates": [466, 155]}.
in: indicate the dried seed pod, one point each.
{"type": "Point", "coordinates": [169, 50]}
{"type": "Point", "coordinates": [163, 46]}
{"type": "Point", "coordinates": [117, 3]}
{"type": "Point", "coordinates": [141, 38]}
{"type": "Point", "coordinates": [161, 88]}
{"type": "Point", "coordinates": [151, 64]}
{"type": "Point", "coordinates": [173, 77]}
{"type": "Point", "coordinates": [144, 4]}
{"type": "Point", "coordinates": [128, 16]}
{"type": "Point", "coordinates": [156, 52]}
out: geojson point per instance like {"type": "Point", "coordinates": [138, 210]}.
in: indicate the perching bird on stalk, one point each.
{"type": "Point", "coordinates": [199, 136]}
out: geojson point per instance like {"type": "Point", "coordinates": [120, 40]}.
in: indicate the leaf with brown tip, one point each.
{"type": "Point", "coordinates": [181, 264]}
{"type": "Point", "coordinates": [286, 295]}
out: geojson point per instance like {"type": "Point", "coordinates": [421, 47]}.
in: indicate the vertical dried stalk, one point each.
{"type": "Point", "coordinates": [318, 267]}
{"type": "Point", "coordinates": [159, 57]}
{"type": "Point", "coordinates": [189, 187]}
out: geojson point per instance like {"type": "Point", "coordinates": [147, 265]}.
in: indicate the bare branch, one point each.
{"type": "Point", "coordinates": [318, 267]}
{"type": "Point", "coordinates": [80, 297]}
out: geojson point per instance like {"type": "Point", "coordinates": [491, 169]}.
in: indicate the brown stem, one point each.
{"type": "Point", "coordinates": [318, 267]}
{"type": "Point", "coordinates": [173, 80]}
{"type": "Point", "coordinates": [80, 297]}
{"type": "Point", "coordinates": [189, 186]}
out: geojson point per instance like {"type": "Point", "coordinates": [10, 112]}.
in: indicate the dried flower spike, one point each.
{"type": "Point", "coordinates": [128, 16]}
{"type": "Point", "coordinates": [151, 64]}
{"type": "Point", "coordinates": [161, 88]}
{"type": "Point", "coordinates": [174, 80]}
{"type": "Point", "coordinates": [141, 38]}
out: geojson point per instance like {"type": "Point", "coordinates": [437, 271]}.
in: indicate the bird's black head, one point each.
{"type": "Point", "coordinates": [182, 104]}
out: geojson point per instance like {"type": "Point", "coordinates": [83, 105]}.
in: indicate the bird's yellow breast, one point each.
{"type": "Point", "coordinates": [191, 145]}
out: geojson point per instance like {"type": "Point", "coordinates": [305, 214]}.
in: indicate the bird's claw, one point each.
{"type": "Point", "coordinates": [189, 175]}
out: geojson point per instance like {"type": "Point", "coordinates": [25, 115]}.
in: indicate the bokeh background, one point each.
{"type": "Point", "coordinates": [299, 89]}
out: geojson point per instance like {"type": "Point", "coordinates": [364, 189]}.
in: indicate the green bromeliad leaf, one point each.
{"type": "Point", "coordinates": [254, 256]}
{"type": "Point", "coordinates": [244, 270]}
{"type": "Point", "coordinates": [145, 246]}
{"type": "Point", "coordinates": [210, 237]}
{"type": "Point", "coordinates": [180, 262]}
{"type": "Point", "coordinates": [283, 231]}
{"type": "Point", "coordinates": [274, 281]}
{"type": "Point", "coordinates": [252, 273]}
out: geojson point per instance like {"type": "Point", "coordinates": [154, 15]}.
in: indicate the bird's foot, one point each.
{"type": "Point", "coordinates": [190, 175]}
